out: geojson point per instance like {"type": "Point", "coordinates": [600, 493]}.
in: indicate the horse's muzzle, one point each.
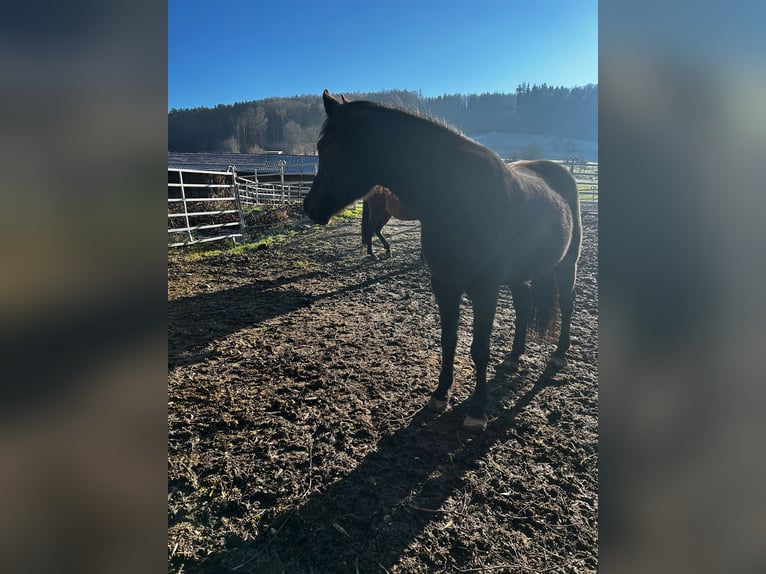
{"type": "Point", "coordinates": [312, 205]}
{"type": "Point", "coordinates": [310, 208]}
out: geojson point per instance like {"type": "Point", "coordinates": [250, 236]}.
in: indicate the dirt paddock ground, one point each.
{"type": "Point", "coordinates": [298, 442]}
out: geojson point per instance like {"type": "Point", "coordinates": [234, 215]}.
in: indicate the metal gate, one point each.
{"type": "Point", "coordinates": [205, 204]}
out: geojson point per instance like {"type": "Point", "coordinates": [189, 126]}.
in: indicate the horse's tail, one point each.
{"type": "Point", "coordinates": [366, 223]}
{"type": "Point", "coordinates": [545, 304]}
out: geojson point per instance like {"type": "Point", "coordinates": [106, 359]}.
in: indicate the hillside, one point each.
{"type": "Point", "coordinates": [509, 123]}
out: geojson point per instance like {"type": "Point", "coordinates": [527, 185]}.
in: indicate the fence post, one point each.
{"type": "Point", "coordinates": [238, 201]}
{"type": "Point", "coordinates": [183, 202]}
{"type": "Point", "coordinates": [255, 191]}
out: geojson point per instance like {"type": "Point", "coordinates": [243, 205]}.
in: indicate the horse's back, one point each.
{"type": "Point", "coordinates": [554, 174]}
{"type": "Point", "coordinates": [397, 209]}
{"type": "Point", "coordinates": [383, 201]}
{"type": "Point", "coordinates": [551, 228]}
{"type": "Point", "coordinates": [376, 201]}
{"type": "Point", "coordinates": [555, 180]}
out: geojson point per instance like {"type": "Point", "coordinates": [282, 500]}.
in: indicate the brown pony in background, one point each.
{"type": "Point", "coordinates": [380, 205]}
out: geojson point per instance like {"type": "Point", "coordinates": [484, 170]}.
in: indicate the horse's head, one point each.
{"type": "Point", "coordinates": [338, 181]}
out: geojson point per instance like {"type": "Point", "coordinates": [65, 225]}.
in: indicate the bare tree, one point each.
{"type": "Point", "coordinates": [231, 144]}
{"type": "Point", "coordinates": [250, 126]}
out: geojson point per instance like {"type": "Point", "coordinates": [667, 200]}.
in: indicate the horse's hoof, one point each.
{"type": "Point", "coordinates": [510, 365]}
{"type": "Point", "coordinates": [437, 405]}
{"type": "Point", "coordinates": [473, 424]}
{"type": "Point", "coordinates": [558, 362]}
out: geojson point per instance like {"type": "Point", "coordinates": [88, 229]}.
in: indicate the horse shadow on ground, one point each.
{"type": "Point", "coordinates": [365, 521]}
{"type": "Point", "coordinates": [198, 320]}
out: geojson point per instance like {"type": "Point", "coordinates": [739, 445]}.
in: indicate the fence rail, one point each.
{"type": "Point", "coordinates": [277, 184]}
{"type": "Point", "coordinates": [252, 192]}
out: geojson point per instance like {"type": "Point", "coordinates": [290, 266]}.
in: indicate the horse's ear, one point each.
{"type": "Point", "coordinates": [344, 99]}
{"type": "Point", "coordinates": [330, 103]}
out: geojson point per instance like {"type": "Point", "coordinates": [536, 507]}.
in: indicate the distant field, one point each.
{"type": "Point", "coordinates": [513, 145]}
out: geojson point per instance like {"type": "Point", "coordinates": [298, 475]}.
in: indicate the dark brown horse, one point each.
{"type": "Point", "coordinates": [380, 205]}
{"type": "Point", "coordinates": [484, 224]}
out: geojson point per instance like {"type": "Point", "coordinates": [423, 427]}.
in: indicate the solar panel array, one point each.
{"type": "Point", "coordinates": [262, 163]}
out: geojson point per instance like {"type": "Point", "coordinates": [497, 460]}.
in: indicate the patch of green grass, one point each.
{"type": "Point", "coordinates": [303, 264]}
{"type": "Point", "coordinates": [354, 210]}
{"type": "Point", "coordinates": [197, 255]}
{"type": "Point", "coordinates": [260, 242]}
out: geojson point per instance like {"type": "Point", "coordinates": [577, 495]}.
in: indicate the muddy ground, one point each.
{"type": "Point", "coordinates": [298, 442]}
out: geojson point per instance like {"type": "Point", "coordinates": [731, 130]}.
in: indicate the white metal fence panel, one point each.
{"type": "Point", "coordinates": [586, 176]}
{"type": "Point", "coordinates": [278, 181]}
{"type": "Point", "coordinates": [252, 192]}
{"type": "Point", "coordinates": [201, 225]}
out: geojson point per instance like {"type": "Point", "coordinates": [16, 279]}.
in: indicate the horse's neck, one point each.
{"type": "Point", "coordinates": [414, 168]}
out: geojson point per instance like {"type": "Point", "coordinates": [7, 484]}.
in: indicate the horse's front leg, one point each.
{"type": "Point", "coordinates": [448, 299]}
{"type": "Point", "coordinates": [484, 305]}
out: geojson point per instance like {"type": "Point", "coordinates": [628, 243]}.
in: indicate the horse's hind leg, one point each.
{"type": "Point", "coordinates": [384, 242]}
{"type": "Point", "coordinates": [565, 277]}
{"type": "Point", "coordinates": [522, 303]}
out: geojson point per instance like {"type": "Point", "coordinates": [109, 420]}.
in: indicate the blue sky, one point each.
{"type": "Point", "coordinates": [227, 51]}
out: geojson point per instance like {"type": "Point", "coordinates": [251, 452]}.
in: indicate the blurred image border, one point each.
{"type": "Point", "coordinates": [84, 299]}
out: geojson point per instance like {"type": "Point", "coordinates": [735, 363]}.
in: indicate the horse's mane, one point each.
{"type": "Point", "coordinates": [401, 115]}
{"type": "Point", "coordinates": [404, 113]}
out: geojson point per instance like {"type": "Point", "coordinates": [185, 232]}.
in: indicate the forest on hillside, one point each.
{"type": "Point", "coordinates": [292, 125]}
